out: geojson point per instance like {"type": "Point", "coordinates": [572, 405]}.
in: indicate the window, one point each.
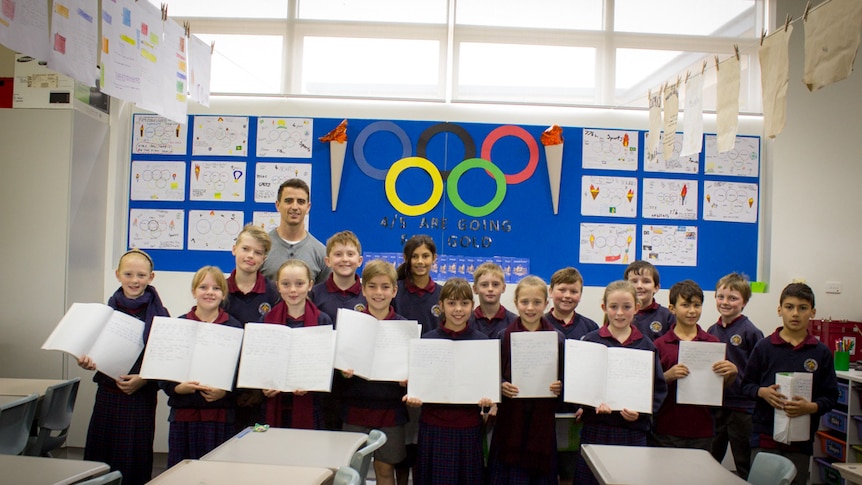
{"type": "Point", "coordinates": [566, 52]}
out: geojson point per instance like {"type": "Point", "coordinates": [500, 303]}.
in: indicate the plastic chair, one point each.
{"type": "Point", "coordinates": [771, 469]}
{"type": "Point", "coordinates": [55, 416]}
{"type": "Point", "coordinates": [346, 476]}
{"type": "Point", "coordinates": [361, 460]}
{"type": "Point", "coordinates": [111, 478]}
{"type": "Point", "coordinates": [16, 418]}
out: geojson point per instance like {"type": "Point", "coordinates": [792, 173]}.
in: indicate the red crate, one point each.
{"type": "Point", "coordinates": [831, 331]}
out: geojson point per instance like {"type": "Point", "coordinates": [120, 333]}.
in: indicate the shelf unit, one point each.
{"type": "Point", "coordinates": [828, 441]}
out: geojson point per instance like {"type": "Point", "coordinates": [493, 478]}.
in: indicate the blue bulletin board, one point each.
{"type": "Point", "coordinates": [481, 191]}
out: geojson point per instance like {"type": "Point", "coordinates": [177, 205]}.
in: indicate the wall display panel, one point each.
{"type": "Point", "coordinates": [481, 191]}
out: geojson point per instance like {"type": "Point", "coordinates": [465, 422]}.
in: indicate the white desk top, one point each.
{"type": "Point", "coordinates": [850, 375]}
{"type": "Point", "coordinates": [852, 472]}
{"type": "Point", "coordinates": [220, 472]}
{"type": "Point", "coordinates": [37, 470]}
{"type": "Point", "coordinates": [636, 465]}
{"type": "Point", "coordinates": [12, 386]}
{"type": "Point", "coordinates": [285, 446]}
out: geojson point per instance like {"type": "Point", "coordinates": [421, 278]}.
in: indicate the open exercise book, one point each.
{"type": "Point", "coordinates": [617, 376]}
{"type": "Point", "coordinates": [375, 349]}
{"type": "Point", "coordinates": [287, 359]}
{"type": "Point", "coordinates": [183, 350]}
{"type": "Point", "coordinates": [786, 429]}
{"type": "Point", "coordinates": [112, 339]}
{"type": "Point", "coordinates": [454, 372]}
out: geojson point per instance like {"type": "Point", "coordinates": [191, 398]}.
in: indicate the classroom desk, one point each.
{"type": "Point", "coordinates": [36, 470]}
{"type": "Point", "coordinates": [11, 386]}
{"type": "Point", "coordinates": [7, 398]}
{"type": "Point", "coordinates": [221, 472]}
{"type": "Point", "coordinates": [851, 472]}
{"type": "Point", "coordinates": [285, 446]}
{"type": "Point", "coordinates": [642, 465]}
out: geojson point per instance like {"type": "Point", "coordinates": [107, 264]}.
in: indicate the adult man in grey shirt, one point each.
{"type": "Point", "coordinates": [291, 239]}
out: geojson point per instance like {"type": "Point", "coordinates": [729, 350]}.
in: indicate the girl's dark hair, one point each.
{"type": "Point", "coordinates": [412, 244]}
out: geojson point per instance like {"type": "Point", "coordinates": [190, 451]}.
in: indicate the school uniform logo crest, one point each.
{"type": "Point", "coordinates": [655, 326]}
{"type": "Point", "coordinates": [810, 365]}
{"type": "Point", "coordinates": [359, 307]}
{"type": "Point", "coordinates": [264, 308]}
{"type": "Point", "coordinates": [736, 340]}
{"type": "Point", "coordinates": [436, 311]}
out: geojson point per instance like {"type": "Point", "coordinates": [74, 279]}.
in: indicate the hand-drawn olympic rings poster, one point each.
{"type": "Point", "coordinates": [483, 192]}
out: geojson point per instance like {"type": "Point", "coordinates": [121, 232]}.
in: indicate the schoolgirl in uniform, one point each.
{"type": "Point", "coordinates": [298, 409]}
{"type": "Point", "coordinates": [450, 435]}
{"type": "Point", "coordinates": [626, 427]}
{"type": "Point", "coordinates": [524, 444]}
{"type": "Point", "coordinates": [123, 422]}
{"type": "Point", "coordinates": [201, 417]}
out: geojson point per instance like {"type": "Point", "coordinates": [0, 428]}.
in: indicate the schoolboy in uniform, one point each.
{"type": "Point", "coordinates": [733, 419]}
{"type": "Point", "coordinates": [490, 317]}
{"type": "Point", "coordinates": [652, 319]}
{"type": "Point", "coordinates": [790, 349]}
{"type": "Point", "coordinates": [342, 288]}
{"type": "Point", "coordinates": [250, 297]}
{"type": "Point", "coordinates": [567, 285]}
{"type": "Point", "coordinates": [685, 425]}
{"type": "Point", "coordinates": [566, 289]}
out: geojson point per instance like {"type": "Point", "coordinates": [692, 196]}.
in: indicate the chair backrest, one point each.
{"type": "Point", "coordinates": [346, 476]}
{"type": "Point", "coordinates": [111, 478]}
{"type": "Point", "coordinates": [361, 460]}
{"type": "Point", "coordinates": [54, 418]}
{"type": "Point", "coordinates": [15, 420]}
{"type": "Point", "coordinates": [771, 469]}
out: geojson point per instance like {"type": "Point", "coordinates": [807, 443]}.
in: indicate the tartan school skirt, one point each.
{"type": "Point", "coordinates": [602, 434]}
{"type": "Point", "coordinates": [449, 456]}
{"type": "Point", "coordinates": [121, 432]}
{"type": "Point", "coordinates": [194, 439]}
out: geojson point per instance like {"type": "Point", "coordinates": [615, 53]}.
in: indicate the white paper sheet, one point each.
{"type": "Point", "coordinates": [23, 26]}
{"type": "Point", "coordinates": [727, 103]}
{"type": "Point", "coordinates": [702, 385]}
{"type": "Point", "coordinates": [786, 429]}
{"type": "Point", "coordinates": [112, 339]}
{"type": "Point", "coordinates": [832, 37]}
{"type": "Point", "coordinates": [74, 39]}
{"type": "Point", "coordinates": [534, 363]}
{"type": "Point", "coordinates": [453, 372]}
{"type": "Point", "coordinates": [692, 121]}
{"type": "Point", "coordinates": [617, 376]}
{"type": "Point", "coordinates": [183, 350]}
{"type": "Point", "coordinates": [200, 67]}
{"type": "Point", "coordinates": [774, 78]}
{"type": "Point", "coordinates": [670, 117]}
{"type": "Point", "coordinates": [377, 350]}
{"type": "Point", "coordinates": [287, 359]}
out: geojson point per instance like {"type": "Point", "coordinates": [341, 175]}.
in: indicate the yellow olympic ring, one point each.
{"type": "Point", "coordinates": [436, 180]}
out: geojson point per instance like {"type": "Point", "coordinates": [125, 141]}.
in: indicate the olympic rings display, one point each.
{"type": "Point", "coordinates": [470, 162]}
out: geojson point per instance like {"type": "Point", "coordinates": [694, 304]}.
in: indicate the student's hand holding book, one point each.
{"type": "Point", "coordinates": [212, 394]}
{"type": "Point", "coordinates": [130, 383]}
{"type": "Point", "coordinates": [557, 388]}
{"type": "Point", "coordinates": [412, 401]}
{"type": "Point", "coordinates": [189, 387]}
{"type": "Point", "coordinates": [508, 389]}
{"type": "Point", "coordinates": [799, 407]}
{"type": "Point", "coordinates": [85, 362]}
{"type": "Point", "coordinates": [676, 372]}
{"type": "Point", "coordinates": [726, 369]}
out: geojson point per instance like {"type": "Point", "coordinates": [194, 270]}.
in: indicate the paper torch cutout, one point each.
{"type": "Point", "coordinates": [337, 139]}
{"type": "Point", "coordinates": [552, 139]}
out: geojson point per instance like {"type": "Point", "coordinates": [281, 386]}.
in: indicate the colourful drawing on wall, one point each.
{"type": "Point", "coordinates": [158, 181]}
{"type": "Point", "coordinates": [156, 228]}
{"type": "Point", "coordinates": [284, 137]}
{"type": "Point", "coordinates": [220, 135]}
{"type": "Point", "coordinates": [217, 181]}
{"type": "Point", "coordinates": [665, 245]}
{"type": "Point", "coordinates": [608, 243]}
{"type": "Point", "coordinates": [609, 196]}
{"type": "Point", "coordinates": [214, 230]}
{"type": "Point", "coordinates": [669, 199]}
{"type": "Point", "coordinates": [610, 149]}
{"type": "Point", "coordinates": [154, 134]}
{"type": "Point", "coordinates": [730, 202]}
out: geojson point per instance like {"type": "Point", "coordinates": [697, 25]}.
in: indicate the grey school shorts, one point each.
{"type": "Point", "coordinates": [393, 451]}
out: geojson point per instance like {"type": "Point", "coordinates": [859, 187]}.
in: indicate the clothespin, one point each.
{"type": "Point", "coordinates": [703, 68]}
{"type": "Point", "coordinates": [164, 12]}
{"type": "Point", "coordinates": [716, 63]}
{"type": "Point", "coordinates": [787, 22]}
{"type": "Point", "coordinates": [807, 9]}
{"type": "Point", "coordinates": [187, 26]}
{"type": "Point", "coordinates": [212, 47]}
{"type": "Point", "coordinates": [687, 75]}
{"type": "Point", "coordinates": [762, 36]}
{"type": "Point", "coordinates": [649, 97]}
{"type": "Point", "coordinates": [736, 50]}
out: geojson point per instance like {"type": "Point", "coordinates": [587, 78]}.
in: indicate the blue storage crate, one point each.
{"type": "Point", "coordinates": [832, 446]}
{"type": "Point", "coordinates": [828, 474]}
{"type": "Point", "coordinates": [843, 391]}
{"type": "Point", "coordinates": [836, 420]}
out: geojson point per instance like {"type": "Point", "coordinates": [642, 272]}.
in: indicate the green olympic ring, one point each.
{"type": "Point", "coordinates": [437, 186]}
